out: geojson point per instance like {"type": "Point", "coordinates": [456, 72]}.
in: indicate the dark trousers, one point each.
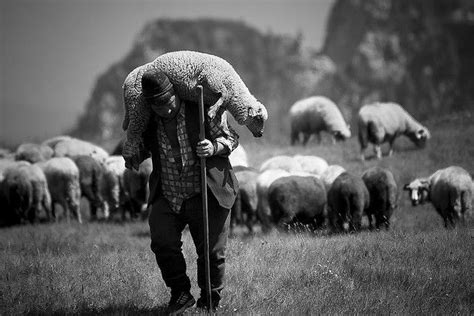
{"type": "Point", "coordinates": [166, 227]}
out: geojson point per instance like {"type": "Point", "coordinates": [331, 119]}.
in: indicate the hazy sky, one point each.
{"type": "Point", "coordinates": [52, 51]}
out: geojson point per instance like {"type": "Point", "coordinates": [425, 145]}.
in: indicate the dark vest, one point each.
{"type": "Point", "coordinates": [220, 176]}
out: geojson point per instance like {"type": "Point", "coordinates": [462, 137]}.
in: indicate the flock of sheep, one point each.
{"type": "Point", "coordinates": [60, 171]}
{"type": "Point", "coordinates": [283, 190]}
{"type": "Point", "coordinates": [286, 190]}
{"type": "Point", "coordinates": [305, 189]}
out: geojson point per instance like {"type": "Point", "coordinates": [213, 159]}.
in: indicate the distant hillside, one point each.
{"type": "Point", "coordinates": [415, 52]}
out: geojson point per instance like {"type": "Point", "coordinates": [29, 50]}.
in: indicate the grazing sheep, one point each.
{"type": "Point", "coordinates": [264, 180]}
{"type": "Point", "coordinates": [348, 199]}
{"type": "Point", "coordinates": [312, 164]}
{"type": "Point", "coordinates": [64, 186]}
{"type": "Point", "coordinates": [330, 174]}
{"type": "Point", "coordinates": [91, 176]}
{"type": "Point", "coordinates": [384, 122]}
{"type": "Point", "coordinates": [136, 187]}
{"type": "Point", "coordinates": [297, 199]}
{"type": "Point", "coordinates": [6, 154]}
{"type": "Point", "coordinates": [383, 193]}
{"type": "Point", "coordinates": [7, 217]}
{"type": "Point", "coordinates": [113, 186]}
{"type": "Point", "coordinates": [51, 142]}
{"type": "Point", "coordinates": [25, 192]}
{"type": "Point", "coordinates": [287, 163]}
{"type": "Point", "coordinates": [316, 114]}
{"type": "Point", "coordinates": [450, 190]}
{"type": "Point", "coordinates": [77, 147]}
{"type": "Point", "coordinates": [244, 210]}
{"type": "Point", "coordinates": [33, 152]}
{"type": "Point", "coordinates": [238, 157]}
{"type": "Point", "coordinates": [222, 87]}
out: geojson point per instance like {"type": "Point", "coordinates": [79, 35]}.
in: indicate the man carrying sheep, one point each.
{"type": "Point", "coordinates": [175, 189]}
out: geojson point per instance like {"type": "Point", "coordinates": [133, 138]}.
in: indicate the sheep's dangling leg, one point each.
{"type": "Point", "coordinates": [306, 137]}
{"type": "Point", "coordinates": [390, 143]}
{"type": "Point", "coordinates": [217, 88]}
{"type": "Point", "coordinates": [378, 152]}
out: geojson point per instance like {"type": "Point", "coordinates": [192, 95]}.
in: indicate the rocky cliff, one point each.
{"type": "Point", "coordinates": [419, 53]}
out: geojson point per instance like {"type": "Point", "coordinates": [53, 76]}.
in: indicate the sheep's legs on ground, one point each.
{"type": "Point", "coordinates": [378, 151]}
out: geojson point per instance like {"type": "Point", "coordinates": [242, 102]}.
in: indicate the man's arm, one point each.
{"type": "Point", "coordinates": [222, 135]}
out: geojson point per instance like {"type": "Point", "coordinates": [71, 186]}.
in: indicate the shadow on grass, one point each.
{"type": "Point", "coordinates": [111, 310]}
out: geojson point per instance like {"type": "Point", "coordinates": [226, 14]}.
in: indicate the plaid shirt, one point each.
{"type": "Point", "coordinates": [181, 176]}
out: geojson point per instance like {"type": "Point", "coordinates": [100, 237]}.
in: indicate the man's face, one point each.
{"type": "Point", "coordinates": [169, 110]}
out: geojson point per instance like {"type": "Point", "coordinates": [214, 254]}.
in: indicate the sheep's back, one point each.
{"type": "Point", "coordinates": [448, 182]}
{"type": "Point", "coordinates": [300, 196]}
{"type": "Point", "coordinates": [389, 116]}
{"type": "Point", "coordinates": [187, 69]}
{"type": "Point", "coordinates": [320, 113]}
{"type": "Point", "coordinates": [287, 163]}
{"type": "Point", "coordinates": [312, 164]}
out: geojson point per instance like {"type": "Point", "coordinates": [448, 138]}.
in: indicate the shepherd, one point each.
{"type": "Point", "coordinates": [176, 197]}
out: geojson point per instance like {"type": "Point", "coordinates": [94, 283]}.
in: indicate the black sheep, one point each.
{"type": "Point", "coordinates": [348, 198]}
{"type": "Point", "coordinates": [300, 199]}
{"type": "Point", "coordinates": [383, 193]}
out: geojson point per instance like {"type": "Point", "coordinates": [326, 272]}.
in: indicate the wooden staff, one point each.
{"type": "Point", "coordinates": [205, 215]}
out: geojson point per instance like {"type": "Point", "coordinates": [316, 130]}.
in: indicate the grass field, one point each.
{"type": "Point", "coordinates": [417, 267]}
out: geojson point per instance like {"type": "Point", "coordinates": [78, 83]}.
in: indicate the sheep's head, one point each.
{"type": "Point", "coordinates": [343, 134]}
{"type": "Point", "coordinates": [419, 191]}
{"type": "Point", "coordinates": [420, 137]}
{"type": "Point", "coordinates": [255, 119]}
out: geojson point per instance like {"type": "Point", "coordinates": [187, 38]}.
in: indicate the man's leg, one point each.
{"type": "Point", "coordinates": [219, 221]}
{"type": "Point", "coordinates": [166, 229]}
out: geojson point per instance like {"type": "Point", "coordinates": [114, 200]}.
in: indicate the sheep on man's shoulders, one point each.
{"type": "Point", "coordinates": [222, 88]}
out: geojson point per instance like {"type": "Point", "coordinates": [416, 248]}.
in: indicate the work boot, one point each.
{"type": "Point", "coordinates": [180, 302]}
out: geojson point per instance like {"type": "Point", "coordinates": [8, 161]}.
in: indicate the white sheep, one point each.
{"type": "Point", "coordinates": [384, 122]}
{"type": "Point", "coordinates": [290, 164]}
{"type": "Point", "coordinates": [222, 87]}
{"type": "Point", "coordinates": [238, 157]}
{"type": "Point", "coordinates": [76, 147]}
{"type": "Point", "coordinates": [91, 177]}
{"type": "Point", "coordinates": [24, 191]}
{"type": "Point", "coordinates": [51, 142]}
{"type": "Point", "coordinates": [330, 174]}
{"type": "Point", "coordinates": [450, 190]}
{"type": "Point", "coordinates": [312, 164]}
{"type": "Point", "coordinates": [113, 187]}
{"type": "Point", "coordinates": [33, 152]}
{"type": "Point", "coordinates": [64, 186]}
{"type": "Point", "coordinates": [316, 114]}
{"type": "Point", "coordinates": [6, 154]}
